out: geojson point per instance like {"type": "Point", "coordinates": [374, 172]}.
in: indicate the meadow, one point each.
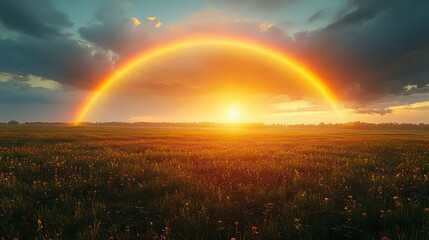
{"type": "Point", "coordinates": [135, 182]}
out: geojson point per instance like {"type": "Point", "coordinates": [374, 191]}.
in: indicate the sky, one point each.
{"type": "Point", "coordinates": [373, 56]}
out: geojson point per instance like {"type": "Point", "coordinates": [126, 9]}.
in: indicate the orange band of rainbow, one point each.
{"type": "Point", "coordinates": [167, 48]}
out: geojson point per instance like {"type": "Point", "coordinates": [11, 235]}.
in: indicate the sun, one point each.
{"type": "Point", "coordinates": [233, 113]}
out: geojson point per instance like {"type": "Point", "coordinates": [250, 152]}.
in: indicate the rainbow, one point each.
{"type": "Point", "coordinates": [171, 47]}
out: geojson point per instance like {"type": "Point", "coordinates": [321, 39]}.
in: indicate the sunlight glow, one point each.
{"type": "Point", "coordinates": [233, 113]}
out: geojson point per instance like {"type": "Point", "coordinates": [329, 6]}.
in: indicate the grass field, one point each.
{"type": "Point", "coordinates": [104, 182]}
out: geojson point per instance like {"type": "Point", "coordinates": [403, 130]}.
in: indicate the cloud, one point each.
{"type": "Point", "coordinates": [316, 16]}
{"type": "Point", "coordinates": [367, 47]}
{"type": "Point", "coordinates": [36, 45]}
{"type": "Point", "coordinates": [19, 92]}
{"type": "Point", "coordinates": [409, 87]}
{"type": "Point", "coordinates": [30, 80]}
{"type": "Point", "coordinates": [372, 50]}
{"type": "Point", "coordinates": [154, 19]}
{"type": "Point", "coordinates": [121, 36]}
{"type": "Point", "coordinates": [254, 4]}
{"type": "Point", "coordinates": [361, 12]}
{"type": "Point", "coordinates": [22, 102]}
{"type": "Point", "coordinates": [60, 58]}
{"type": "Point", "coordinates": [374, 111]}
{"type": "Point", "coordinates": [114, 30]}
{"type": "Point", "coordinates": [16, 88]}
{"type": "Point", "coordinates": [136, 21]}
{"type": "Point", "coordinates": [34, 18]}
{"type": "Point", "coordinates": [417, 106]}
{"type": "Point", "coordinates": [293, 106]}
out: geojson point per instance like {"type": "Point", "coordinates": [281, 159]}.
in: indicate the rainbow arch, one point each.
{"type": "Point", "coordinates": [170, 47]}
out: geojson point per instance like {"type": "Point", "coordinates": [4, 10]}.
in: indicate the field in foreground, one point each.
{"type": "Point", "coordinates": [59, 182]}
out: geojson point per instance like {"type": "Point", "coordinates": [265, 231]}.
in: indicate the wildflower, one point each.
{"type": "Point", "coordinates": [326, 199]}
{"type": "Point", "coordinates": [384, 238]}
{"type": "Point", "coordinates": [297, 224]}
{"type": "Point", "coordinates": [39, 224]}
{"type": "Point", "coordinates": [236, 223]}
{"type": "Point", "coordinates": [254, 229]}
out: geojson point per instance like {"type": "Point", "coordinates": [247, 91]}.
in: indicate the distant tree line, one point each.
{"type": "Point", "coordinates": [349, 125]}
{"type": "Point", "coordinates": [14, 122]}
{"type": "Point", "coordinates": [363, 125]}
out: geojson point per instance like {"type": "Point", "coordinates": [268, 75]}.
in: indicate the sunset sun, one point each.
{"type": "Point", "coordinates": [233, 114]}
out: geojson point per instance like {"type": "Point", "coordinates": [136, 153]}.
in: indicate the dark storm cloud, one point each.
{"type": "Point", "coordinates": [115, 31]}
{"type": "Point", "coordinates": [35, 18]}
{"type": "Point", "coordinates": [115, 36]}
{"type": "Point", "coordinates": [58, 58]}
{"type": "Point", "coordinates": [39, 47]}
{"type": "Point", "coordinates": [363, 52]}
{"type": "Point", "coordinates": [364, 11]}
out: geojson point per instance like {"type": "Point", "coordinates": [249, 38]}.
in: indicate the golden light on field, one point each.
{"type": "Point", "coordinates": [196, 78]}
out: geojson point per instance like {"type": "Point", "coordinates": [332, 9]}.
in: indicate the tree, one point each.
{"type": "Point", "coordinates": [13, 122]}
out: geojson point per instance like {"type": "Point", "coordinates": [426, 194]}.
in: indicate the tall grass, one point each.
{"type": "Point", "coordinates": [104, 182]}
